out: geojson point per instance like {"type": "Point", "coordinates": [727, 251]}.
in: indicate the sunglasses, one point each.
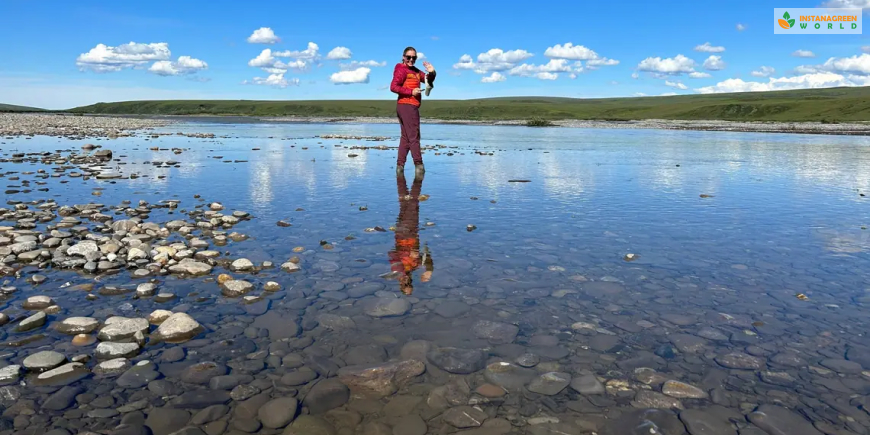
{"type": "Point", "coordinates": [411, 57]}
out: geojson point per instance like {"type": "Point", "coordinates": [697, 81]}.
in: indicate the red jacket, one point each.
{"type": "Point", "coordinates": [405, 79]}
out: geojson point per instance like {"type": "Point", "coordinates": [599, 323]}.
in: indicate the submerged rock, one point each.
{"type": "Point", "coordinates": [384, 307]}
{"type": "Point", "coordinates": [457, 361]}
{"type": "Point", "coordinates": [379, 380]}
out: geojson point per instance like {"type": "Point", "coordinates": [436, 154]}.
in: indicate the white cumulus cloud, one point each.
{"type": "Point", "coordinates": [354, 64]}
{"type": "Point", "coordinates": [339, 53]}
{"type": "Point", "coordinates": [740, 27]}
{"type": "Point", "coordinates": [529, 70]}
{"type": "Point", "coordinates": [263, 35]}
{"type": "Point", "coordinates": [312, 53]}
{"type": "Point", "coordinates": [359, 75]}
{"type": "Point", "coordinates": [865, 48]}
{"type": "Point", "coordinates": [707, 48]}
{"type": "Point", "coordinates": [571, 52]}
{"type": "Point", "coordinates": [671, 65]}
{"type": "Point", "coordinates": [714, 63]}
{"type": "Point", "coordinates": [803, 53]}
{"type": "Point", "coordinates": [859, 64]}
{"type": "Point", "coordinates": [264, 59]}
{"type": "Point", "coordinates": [493, 78]}
{"type": "Point", "coordinates": [849, 4]}
{"type": "Point", "coordinates": [806, 81]}
{"type": "Point", "coordinates": [184, 65]}
{"type": "Point", "coordinates": [274, 80]}
{"type": "Point", "coordinates": [547, 76]}
{"type": "Point", "coordinates": [104, 58]}
{"type": "Point", "coordinates": [699, 75]}
{"type": "Point", "coordinates": [677, 85]}
{"type": "Point", "coordinates": [495, 59]}
{"type": "Point", "coordinates": [764, 71]}
{"type": "Point", "coordinates": [602, 62]}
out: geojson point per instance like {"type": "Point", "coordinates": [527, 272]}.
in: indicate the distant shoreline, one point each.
{"type": "Point", "coordinates": [850, 129]}
{"type": "Point", "coordinates": [100, 125]}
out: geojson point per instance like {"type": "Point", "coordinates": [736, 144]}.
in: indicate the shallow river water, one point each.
{"type": "Point", "coordinates": [639, 282]}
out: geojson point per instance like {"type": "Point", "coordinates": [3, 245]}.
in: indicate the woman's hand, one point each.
{"type": "Point", "coordinates": [429, 67]}
{"type": "Point", "coordinates": [416, 91]}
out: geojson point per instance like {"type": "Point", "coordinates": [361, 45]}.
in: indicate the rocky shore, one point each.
{"type": "Point", "coordinates": [73, 126]}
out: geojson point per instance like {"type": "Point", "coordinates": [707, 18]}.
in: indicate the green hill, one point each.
{"type": "Point", "coordinates": [832, 104]}
{"type": "Point", "coordinates": [12, 108]}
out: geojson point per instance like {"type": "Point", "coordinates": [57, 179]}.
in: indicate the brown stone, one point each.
{"type": "Point", "coordinates": [490, 390]}
{"type": "Point", "coordinates": [379, 380]}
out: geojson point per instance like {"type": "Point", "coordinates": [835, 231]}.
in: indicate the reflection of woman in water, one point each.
{"type": "Point", "coordinates": [406, 257]}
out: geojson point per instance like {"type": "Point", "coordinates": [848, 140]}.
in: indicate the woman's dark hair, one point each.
{"type": "Point", "coordinates": [408, 49]}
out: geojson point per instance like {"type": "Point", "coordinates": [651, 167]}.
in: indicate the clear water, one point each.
{"type": "Point", "coordinates": [782, 216]}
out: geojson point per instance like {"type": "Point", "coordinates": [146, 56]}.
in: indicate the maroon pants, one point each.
{"type": "Point", "coordinates": [409, 118]}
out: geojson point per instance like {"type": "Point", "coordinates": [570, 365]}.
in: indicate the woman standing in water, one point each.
{"type": "Point", "coordinates": [406, 83]}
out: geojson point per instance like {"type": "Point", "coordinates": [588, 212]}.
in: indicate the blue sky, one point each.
{"type": "Point", "coordinates": [60, 54]}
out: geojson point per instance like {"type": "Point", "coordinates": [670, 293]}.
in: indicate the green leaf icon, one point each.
{"type": "Point", "coordinates": [786, 16]}
{"type": "Point", "coordinates": [791, 22]}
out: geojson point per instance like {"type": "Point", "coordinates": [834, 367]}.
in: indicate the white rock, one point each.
{"type": "Point", "coordinates": [146, 289]}
{"type": "Point", "coordinates": [178, 327]}
{"type": "Point", "coordinates": [236, 287]}
{"type": "Point", "coordinates": [122, 328]}
{"type": "Point", "coordinates": [241, 265]}
{"type": "Point", "coordinates": [290, 267]}
{"type": "Point", "coordinates": [159, 316]}
{"type": "Point", "coordinates": [109, 350]}
{"type": "Point", "coordinates": [136, 254]}
{"type": "Point", "coordinates": [77, 325]}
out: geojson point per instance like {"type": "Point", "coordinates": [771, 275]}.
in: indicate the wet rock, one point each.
{"type": "Point", "coordinates": [64, 375]}
{"type": "Point", "coordinates": [87, 249]}
{"type": "Point", "coordinates": [32, 322]}
{"type": "Point", "coordinates": [325, 395]}
{"type": "Point", "coordinates": [788, 359]}
{"type": "Point", "coordinates": [528, 360]}
{"type": "Point", "coordinates": [62, 399]}
{"type": "Point", "coordinates": [146, 289]}
{"type": "Point", "coordinates": [700, 421]}
{"type": "Point", "coordinates": [782, 379]}
{"type": "Point", "coordinates": [178, 327]}
{"type": "Point", "coordinates": [335, 322]}
{"type": "Point", "coordinates": [682, 390]}
{"type": "Point", "coordinates": [278, 413]}
{"type": "Point", "coordinates": [299, 377]}
{"type": "Point", "coordinates": [587, 385]}
{"type": "Point", "coordinates": [688, 343]}
{"type": "Point", "coordinates": [241, 265]}
{"type": "Point", "coordinates": [776, 420]}
{"type": "Point", "coordinates": [550, 384]}
{"type": "Point", "coordinates": [605, 343]}
{"type": "Point", "coordinates": [490, 391]}
{"type": "Point", "coordinates": [384, 307]}
{"type": "Point", "coordinates": [272, 286]}
{"type": "Point", "coordinates": [508, 376]}
{"type": "Point", "coordinates": [77, 325]}
{"type": "Point", "coordinates": [456, 360]}
{"type": "Point", "coordinates": [309, 425]}
{"type": "Point", "coordinates": [451, 309]}
{"type": "Point", "coordinates": [290, 267]}
{"type": "Point", "coordinates": [712, 334]}
{"type": "Point", "coordinates": [10, 374]}
{"type": "Point", "coordinates": [495, 332]}
{"type": "Point", "coordinates": [379, 380]}
{"type": "Point", "coordinates": [229, 382]}
{"type": "Point", "coordinates": [463, 417]}
{"type": "Point", "coordinates": [122, 328]}
{"type": "Point", "coordinates": [159, 316]}
{"type": "Point", "coordinates": [138, 376]}
{"type": "Point", "coordinates": [110, 350]}
{"type": "Point", "coordinates": [199, 399]}
{"type": "Point", "coordinates": [202, 373]}
{"type": "Point", "coordinates": [410, 425]}
{"type": "Point", "coordinates": [191, 267]}
{"type": "Point", "coordinates": [279, 325]}
{"type": "Point", "coordinates": [236, 288]}
{"type": "Point", "coordinates": [365, 354]}
{"type": "Point", "coordinates": [244, 392]}
{"type": "Point", "coordinates": [841, 366]}
{"type": "Point", "coordinates": [42, 361]}
{"type": "Point", "coordinates": [165, 421]}
{"type": "Point", "coordinates": [742, 361]}
{"type": "Point", "coordinates": [650, 399]}
{"type": "Point", "coordinates": [112, 367]}
{"type": "Point", "coordinates": [37, 303]}
{"type": "Point", "coordinates": [645, 422]}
